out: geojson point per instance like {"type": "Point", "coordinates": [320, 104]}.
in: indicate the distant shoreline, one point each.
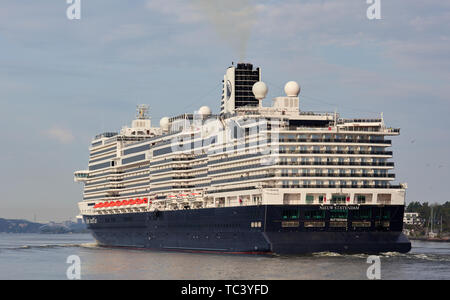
{"type": "Point", "coordinates": [49, 233]}
{"type": "Point", "coordinates": [424, 239]}
{"type": "Point", "coordinates": [24, 226]}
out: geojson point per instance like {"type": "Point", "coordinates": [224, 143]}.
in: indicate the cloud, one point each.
{"type": "Point", "coordinates": [61, 135]}
{"type": "Point", "coordinates": [125, 32]}
{"type": "Point", "coordinates": [410, 35]}
{"type": "Point", "coordinates": [232, 20]}
{"type": "Point", "coordinates": [182, 11]}
{"type": "Point", "coordinates": [121, 52]}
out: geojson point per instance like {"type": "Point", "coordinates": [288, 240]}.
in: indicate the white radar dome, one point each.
{"type": "Point", "coordinates": [292, 89]}
{"type": "Point", "coordinates": [260, 90]}
{"type": "Point", "coordinates": [164, 123]}
{"type": "Point", "coordinates": [204, 111]}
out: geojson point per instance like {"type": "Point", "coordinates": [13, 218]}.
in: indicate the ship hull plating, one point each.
{"type": "Point", "coordinates": [279, 229]}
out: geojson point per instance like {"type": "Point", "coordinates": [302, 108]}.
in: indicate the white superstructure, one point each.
{"type": "Point", "coordinates": [246, 155]}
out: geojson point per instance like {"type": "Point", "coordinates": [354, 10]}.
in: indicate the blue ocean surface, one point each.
{"type": "Point", "coordinates": [44, 256]}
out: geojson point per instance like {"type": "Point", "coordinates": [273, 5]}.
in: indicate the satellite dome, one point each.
{"type": "Point", "coordinates": [204, 111]}
{"type": "Point", "coordinates": [164, 123]}
{"type": "Point", "coordinates": [292, 89]}
{"type": "Point", "coordinates": [260, 90]}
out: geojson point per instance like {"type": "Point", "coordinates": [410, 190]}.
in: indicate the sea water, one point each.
{"type": "Point", "coordinates": [45, 256]}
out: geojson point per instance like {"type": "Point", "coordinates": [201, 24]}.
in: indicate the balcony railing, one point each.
{"type": "Point", "coordinates": [341, 186]}
{"type": "Point", "coordinates": [289, 140]}
{"type": "Point", "coordinates": [331, 163]}
{"type": "Point", "coordinates": [338, 175]}
{"type": "Point", "coordinates": [334, 152]}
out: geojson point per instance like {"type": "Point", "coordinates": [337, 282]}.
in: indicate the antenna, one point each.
{"type": "Point", "coordinates": [432, 220]}
{"type": "Point", "coordinates": [142, 112]}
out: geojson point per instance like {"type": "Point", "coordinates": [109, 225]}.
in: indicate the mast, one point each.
{"type": "Point", "coordinates": [142, 112]}
{"type": "Point", "coordinates": [432, 220]}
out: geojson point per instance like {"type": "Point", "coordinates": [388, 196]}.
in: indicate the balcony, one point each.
{"type": "Point", "coordinates": [342, 186]}
{"type": "Point", "coordinates": [330, 163]}
{"type": "Point", "coordinates": [281, 151]}
{"type": "Point", "coordinates": [339, 175]}
{"type": "Point", "coordinates": [288, 140]}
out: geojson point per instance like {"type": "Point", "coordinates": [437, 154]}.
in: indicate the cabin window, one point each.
{"type": "Point", "coordinates": [363, 214]}
{"type": "Point", "coordinates": [339, 214]}
{"type": "Point", "coordinates": [314, 215]}
{"type": "Point", "coordinates": [290, 214]}
{"type": "Point", "coordinates": [360, 199]}
{"type": "Point", "coordinates": [338, 199]}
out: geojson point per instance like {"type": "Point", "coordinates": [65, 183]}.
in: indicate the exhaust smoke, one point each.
{"type": "Point", "coordinates": [232, 19]}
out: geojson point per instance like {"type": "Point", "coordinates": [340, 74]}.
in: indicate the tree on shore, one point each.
{"type": "Point", "coordinates": [424, 210]}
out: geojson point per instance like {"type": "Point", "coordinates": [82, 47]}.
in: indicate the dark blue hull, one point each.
{"type": "Point", "coordinates": [258, 229]}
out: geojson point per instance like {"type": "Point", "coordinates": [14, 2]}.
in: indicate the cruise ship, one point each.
{"type": "Point", "coordinates": [250, 179]}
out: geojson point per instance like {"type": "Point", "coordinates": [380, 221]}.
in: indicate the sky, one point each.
{"type": "Point", "coordinates": [63, 81]}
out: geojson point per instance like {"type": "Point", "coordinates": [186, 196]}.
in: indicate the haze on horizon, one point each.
{"type": "Point", "coordinates": [62, 81]}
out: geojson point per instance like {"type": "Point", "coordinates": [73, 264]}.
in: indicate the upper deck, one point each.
{"type": "Point", "coordinates": [248, 156]}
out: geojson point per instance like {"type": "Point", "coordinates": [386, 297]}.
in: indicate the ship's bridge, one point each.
{"type": "Point", "coordinates": [141, 126]}
{"type": "Point", "coordinates": [81, 176]}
